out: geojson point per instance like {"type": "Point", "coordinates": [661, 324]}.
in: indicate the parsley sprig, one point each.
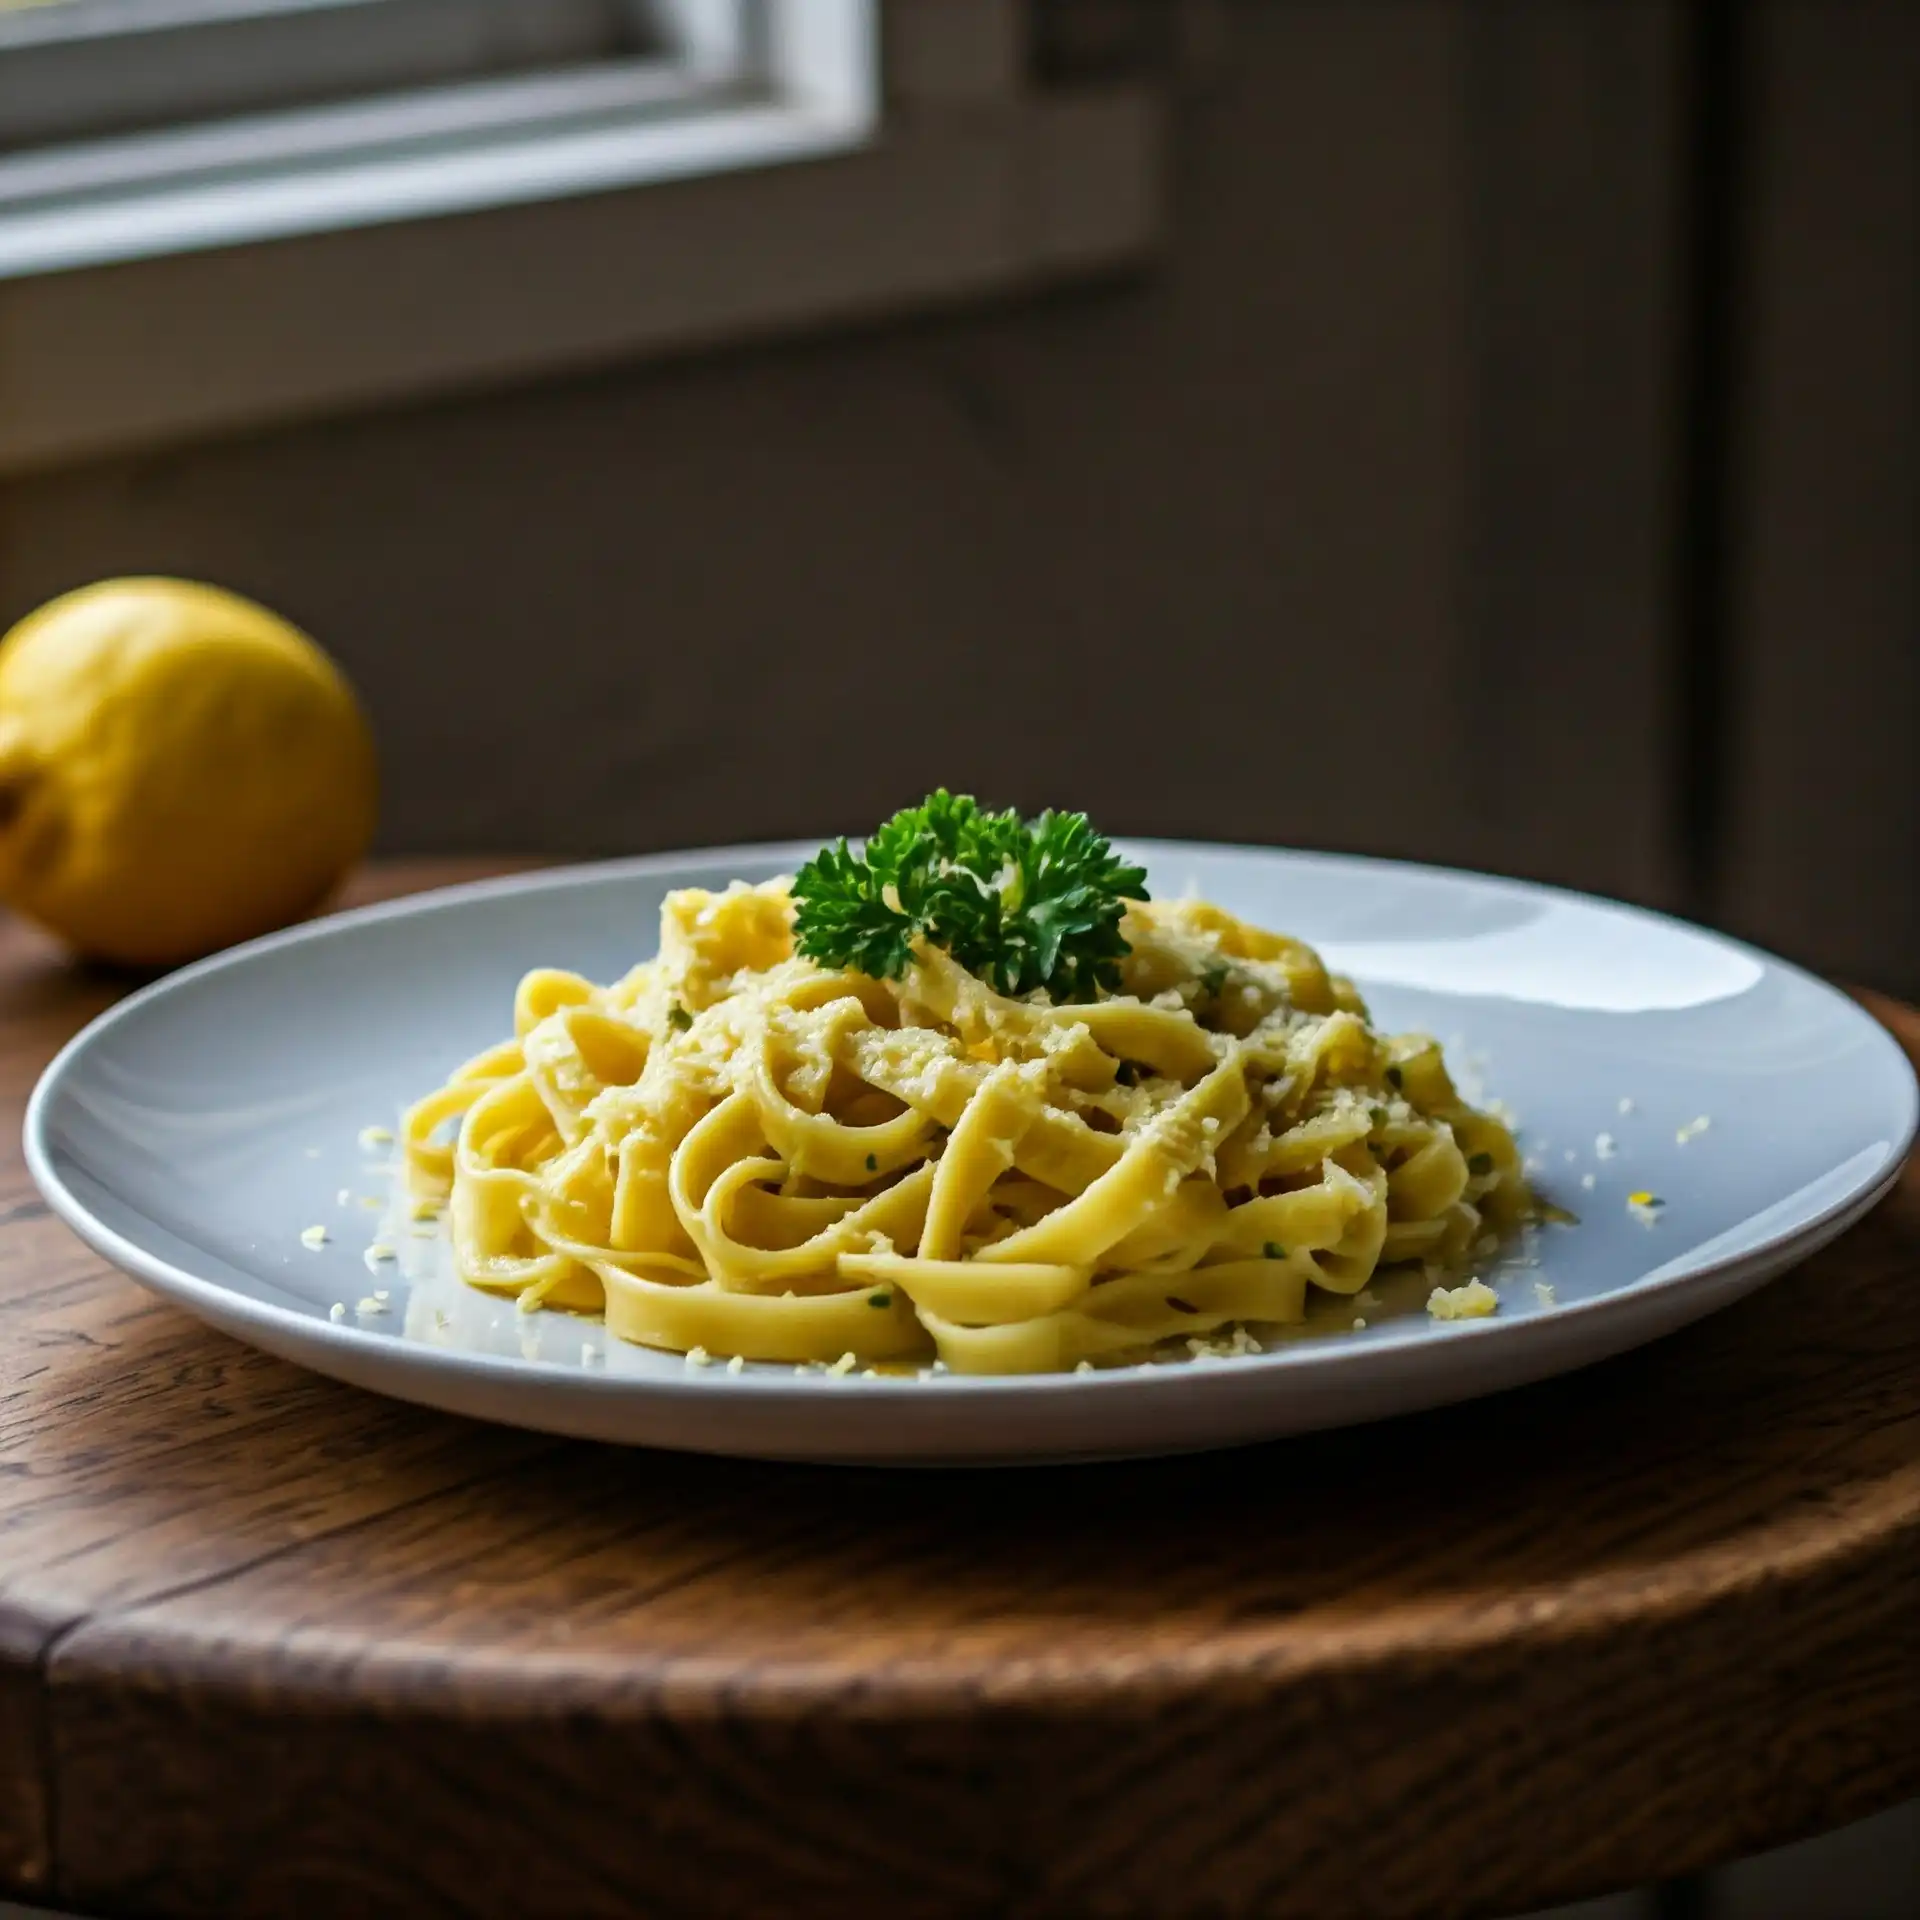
{"type": "Point", "coordinates": [1024, 905]}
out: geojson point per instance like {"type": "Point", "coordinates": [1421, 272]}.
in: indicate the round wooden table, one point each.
{"type": "Point", "coordinates": [273, 1646]}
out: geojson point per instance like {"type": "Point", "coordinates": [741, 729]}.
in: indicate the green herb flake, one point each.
{"type": "Point", "coordinates": [1395, 1078]}
{"type": "Point", "coordinates": [1378, 1115]}
{"type": "Point", "coordinates": [678, 1018]}
{"type": "Point", "coordinates": [1274, 1250]}
{"type": "Point", "coordinates": [1026, 906]}
{"type": "Point", "coordinates": [1480, 1163]}
{"type": "Point", "coordinates": [873, 1163]}
{"type": "Point", "coordinates": [881, 1299]}
{"type": "Point", "coordinates": [1214, 978]}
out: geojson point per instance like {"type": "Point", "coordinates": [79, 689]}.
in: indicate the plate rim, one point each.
{"type": "Point", "coordinates": [198, 1294]}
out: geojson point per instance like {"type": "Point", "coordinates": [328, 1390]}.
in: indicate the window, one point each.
{"type": "Point", "coordinates": [75, 68]}
{"type": "Point", "coordinates": [133, 127]}
{"type": "Point", "coordinates": [220, 213]}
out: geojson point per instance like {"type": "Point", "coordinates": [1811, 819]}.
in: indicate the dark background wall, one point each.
{"type": "Point", "coordinates": [1388, 510]}
{"type": "Point", "coordinates": [1823, 499]}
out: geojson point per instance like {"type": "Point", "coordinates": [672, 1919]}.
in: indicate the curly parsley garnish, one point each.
{"type": "Point", "coordinates": [1023, 905]}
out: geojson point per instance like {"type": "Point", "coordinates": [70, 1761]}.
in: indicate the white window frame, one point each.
{"type": "Point", "coordinates": [748, 82]}
{"type": "Point", "coordinates": [83, 68]}
{"type": "Point", "coordinates": [790, 162]}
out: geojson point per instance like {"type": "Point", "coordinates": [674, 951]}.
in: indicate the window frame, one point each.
{"type": "Point", "coordinates": [742, 83]}
{"type": "Point", "coordinates": [77, 70]}
{"type": "Point", "coordinates": [802, 163]}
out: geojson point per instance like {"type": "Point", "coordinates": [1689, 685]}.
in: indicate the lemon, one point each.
{"type": "Point", "coordinates": [179, 769]}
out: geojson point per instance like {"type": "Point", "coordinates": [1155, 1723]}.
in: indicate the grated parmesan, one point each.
{"type": "Point", "coordinates": [1474, 1301]}
{"type": "Point", "coordinates": [1234, 1346]}
{"type": "Point", "coordinates": [314, 1238]}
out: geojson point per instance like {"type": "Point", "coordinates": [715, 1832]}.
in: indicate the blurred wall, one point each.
{"type": "Point", "coordinates": [1823, 855]}
{"type": "Point", "coordinates": [1350, 523]}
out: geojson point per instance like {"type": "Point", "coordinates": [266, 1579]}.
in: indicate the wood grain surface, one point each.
{"type": "Point", "coordinates": [271, 1646]}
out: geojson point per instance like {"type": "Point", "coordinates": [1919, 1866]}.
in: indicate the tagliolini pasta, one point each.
{"type": "Point", "coordinates": [735, 1150]}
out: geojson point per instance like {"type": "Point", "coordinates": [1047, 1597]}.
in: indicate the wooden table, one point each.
{"type": "Point", "coordinates": [272, 1646]}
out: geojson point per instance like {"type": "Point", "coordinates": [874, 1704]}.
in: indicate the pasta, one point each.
{"type": "Point", "coordinates": [737, 1150]}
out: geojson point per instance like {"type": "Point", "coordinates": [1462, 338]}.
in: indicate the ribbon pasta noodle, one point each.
{"type": "Point", "coordinates": [735, 1149]}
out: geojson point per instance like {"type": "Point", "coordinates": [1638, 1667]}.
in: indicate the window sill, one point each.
{"type": "Point", "coordinates": [132, 317]}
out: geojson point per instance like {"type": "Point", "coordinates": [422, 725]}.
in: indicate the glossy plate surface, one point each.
{"type": "Point", "coordinates": [192, 1133]}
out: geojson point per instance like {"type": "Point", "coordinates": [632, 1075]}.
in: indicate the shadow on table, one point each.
{"type": "Point", "coordinates": [1868, 1871]}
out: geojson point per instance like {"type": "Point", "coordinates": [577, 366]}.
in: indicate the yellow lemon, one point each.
{"type": "Point", "coordinates": [179, 769]}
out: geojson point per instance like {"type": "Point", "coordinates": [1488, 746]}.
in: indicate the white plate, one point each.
{"type": "Point", "coordinates": [191, 1133]}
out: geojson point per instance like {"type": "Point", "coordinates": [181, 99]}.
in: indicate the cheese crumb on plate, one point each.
{"type": "Point", "coordinates": [1474, 1301]}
